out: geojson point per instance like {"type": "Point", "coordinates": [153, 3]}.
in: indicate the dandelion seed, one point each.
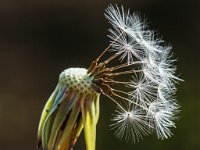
{"type": "Point", "coordinates": [131, 124]}
{"type": "Point", "coordinates": [143, 90]}
{"type": "Point", "coordinates": [129, 49]}
{"type": "Point", "coordinates": [146, 66]}
{"type": "Point", "coordinates": [162, 115]}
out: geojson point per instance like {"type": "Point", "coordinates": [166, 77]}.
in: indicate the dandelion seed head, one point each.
{"type": "Point", "coordinates": [142, 83]}
{"type": "Point", "coordinates": [78, 79]}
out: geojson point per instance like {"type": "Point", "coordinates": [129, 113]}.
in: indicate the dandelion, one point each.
{"type": "Point", "coordinates": [138, 76]}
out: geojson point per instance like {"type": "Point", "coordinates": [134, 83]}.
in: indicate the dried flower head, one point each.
{"type": "Point", "coordinates": [138, 77]}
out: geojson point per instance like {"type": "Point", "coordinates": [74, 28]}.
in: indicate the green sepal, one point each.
{"type": "Point", "coordinates": [44, 114]}
{"type": "Point", "coordinates": [97, 106]}
{"type": "Point", "coordinates": [70, 126]}
{"type": "Point", "coordinates": [65, 107]}
{"type": "Point", "coordinates": [89, 122]}
{"type": "Point", "coordinates": [47, 127]}
{"type": "Point", "coordinates": [48, 123]}
{"type": "Point", "coordinates": [77, 132]}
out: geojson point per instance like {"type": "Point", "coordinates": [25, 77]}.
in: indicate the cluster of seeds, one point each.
{"type": "Point", "coordinates": [147, 87]}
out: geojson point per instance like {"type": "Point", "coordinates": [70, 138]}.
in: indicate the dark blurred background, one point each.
{"type": "Point", "coordinates": [39, 39]}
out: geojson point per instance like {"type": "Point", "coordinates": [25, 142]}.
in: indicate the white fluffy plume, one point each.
{"type": "Point", "coordinates": [151, 90]}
